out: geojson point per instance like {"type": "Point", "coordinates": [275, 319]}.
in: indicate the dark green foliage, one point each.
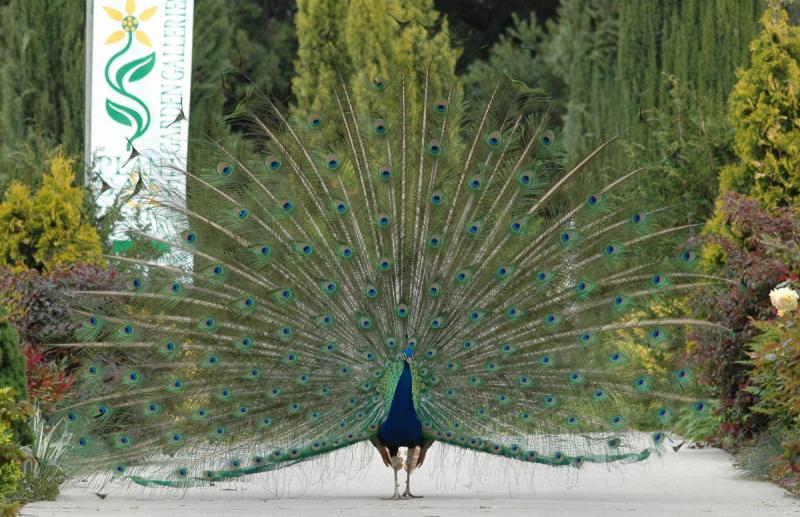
{"type": "Point", "coordinates": [41, 85]}
{"type": "Point", "coordinates": [238, 47]}
{"type": "Point", "coordinates": [12, 372]}
{"type": "Point", "coordinates": [658, 73]}
{"type": "Point", "coordinates": [519, 53]}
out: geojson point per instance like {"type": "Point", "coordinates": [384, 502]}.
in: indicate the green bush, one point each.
{"type": "Point", "coordinates": [12, 372]}
{"type": "Point", "coordinates": [775, 363]}
{"type": "Point", "coordinates": [49, 227]}
{"type": "Point", "coordinates": [11, 456]}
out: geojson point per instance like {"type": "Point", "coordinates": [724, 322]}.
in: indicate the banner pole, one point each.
{"type": "Point", "coordinates": [87, 100]}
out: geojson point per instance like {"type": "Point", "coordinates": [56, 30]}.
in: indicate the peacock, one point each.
{"type": "Point", "coordinates": [412, 273]}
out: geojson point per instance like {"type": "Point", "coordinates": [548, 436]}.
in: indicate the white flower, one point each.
{"type": "Point", "coordinates": [784, 299]}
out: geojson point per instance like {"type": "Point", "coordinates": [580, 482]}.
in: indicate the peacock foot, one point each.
{"type": "Point", "coordinates": [408, 495]}
{"type": "Point", "coordinates": [396, 495]}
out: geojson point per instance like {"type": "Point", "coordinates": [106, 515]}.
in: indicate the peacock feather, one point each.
{"type": "Point", "coordinates": [306, 269]}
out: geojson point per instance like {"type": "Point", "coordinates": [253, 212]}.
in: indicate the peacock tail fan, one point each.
{"type": "Point", "coordinates": [270, 329]}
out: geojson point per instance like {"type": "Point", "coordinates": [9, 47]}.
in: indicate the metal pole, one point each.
{"type": "Point", "coordinates": [87, 114]}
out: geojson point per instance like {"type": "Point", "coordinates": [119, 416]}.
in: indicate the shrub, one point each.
{"type": "Point", "coordinates": [754, 269]}
{"type": "Point", "coordinates": [11, 456]}
{"type": "Point", "coordinates": [38, 307]}
{"type": "Point", "coordinates": [12, 373]}
{"type": "Point", "coordinates": [42, 474]}
{"type": "Point", "coordinates": [775, 362]}
{"type": "Point", "coordinates": [48, 228]}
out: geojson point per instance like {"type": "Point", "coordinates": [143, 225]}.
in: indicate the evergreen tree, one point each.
{"type": "Point", "coordinates": [211, 53]}
{"type": "Point", "coordinates": [521, 53]}
{"type": "Point", "coordinates": [364, 41]}
{"type": "Point", "coordinates": [47, 228]}
{"type": "Point", "coordinates": [41, 84]}
{"type": "Point", "coordinates": [320, 38]}
{"type": "Point", "coordinates": [658, 74]}
{"type": "Point", "coordinates": [764, 110]}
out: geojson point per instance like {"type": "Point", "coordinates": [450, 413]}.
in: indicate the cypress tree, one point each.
{"type": "Point", "coordinates": [41, 84]}
{"type": "Point", "coordinates": [362, 40]}
{"type": "Point", "coordinates": [320, 38]}
{"type": "Point", "coordinates": [764, 109]}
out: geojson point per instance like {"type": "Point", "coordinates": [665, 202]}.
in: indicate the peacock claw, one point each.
{"type": "Point", "coordinates": [396, 496]}
{"type": "Point", "coordinates": [408, 495]}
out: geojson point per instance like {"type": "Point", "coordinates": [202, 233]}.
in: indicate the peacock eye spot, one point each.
{"type": "Point", "coordinates": [565, 237]}
{"type": "Point", "coordinates": [610, 249]}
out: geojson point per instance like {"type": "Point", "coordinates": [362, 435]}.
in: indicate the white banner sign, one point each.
{"type": "Point", "coordinates": [139, 61]}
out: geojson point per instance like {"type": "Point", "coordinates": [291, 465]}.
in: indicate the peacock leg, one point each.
{"type": "Point", "coordinates": [397, 465]}
{"type": "Point", "coordinates": [412, 458]}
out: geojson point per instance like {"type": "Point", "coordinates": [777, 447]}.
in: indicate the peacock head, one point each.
{"type": "Point", "coordinates": [408, 354]}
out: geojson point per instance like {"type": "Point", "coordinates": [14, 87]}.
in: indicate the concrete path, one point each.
{"type": "Point", "coordinates": [350, 484]}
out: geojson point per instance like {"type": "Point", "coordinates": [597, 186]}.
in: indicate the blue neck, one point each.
{"type": "Point", "coordinates": [402, 427]}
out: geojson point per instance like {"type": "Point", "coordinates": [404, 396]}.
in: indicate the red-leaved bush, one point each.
{"type": "Point", "coordinates": [756, 270]}
{"type": "Point", "coordinates": [38, 307]}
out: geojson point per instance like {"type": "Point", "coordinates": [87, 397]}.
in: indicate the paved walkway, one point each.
{"type": "Point", "coordinates": [687, 483]}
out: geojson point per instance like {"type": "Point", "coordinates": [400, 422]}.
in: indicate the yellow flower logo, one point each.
{"type": "Point", "coordinates": [130, 23]}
